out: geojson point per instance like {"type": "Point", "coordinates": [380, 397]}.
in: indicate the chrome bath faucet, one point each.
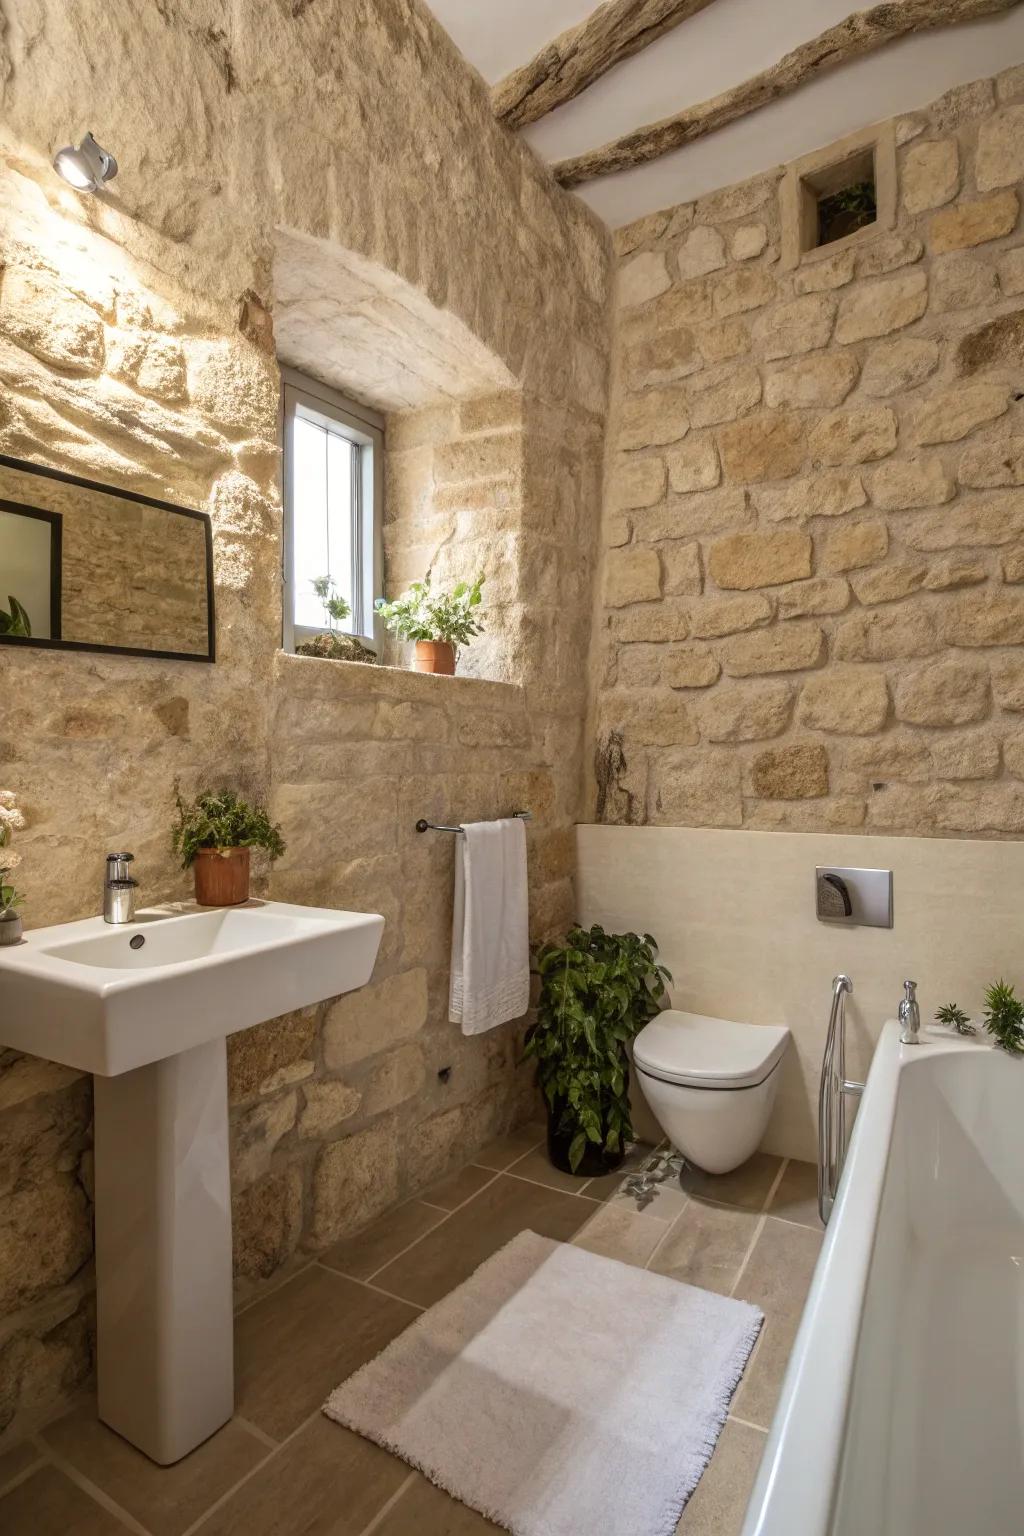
{"type": "Point", "coordinates": [119, 889]}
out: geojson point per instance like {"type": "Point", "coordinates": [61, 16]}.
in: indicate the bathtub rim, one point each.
{"type": "Point", "coordinates": [797, 1480]}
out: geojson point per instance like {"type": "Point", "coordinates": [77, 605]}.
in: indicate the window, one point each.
{"type": "Point", "coordinates": [839, 196]}
{"type": "Point", "coordinates": [840, 200]}
{"type": "Point", "coordinates": [333, 451]}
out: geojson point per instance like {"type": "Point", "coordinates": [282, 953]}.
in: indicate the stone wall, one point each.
{"type": "Point", "coordinates": [814, 516]}
{"type": "Point", "coordinates": [137, 347]}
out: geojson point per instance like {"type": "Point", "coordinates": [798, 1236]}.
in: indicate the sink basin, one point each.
{"type": "Point", "coordinates": [146, 1007]}
{"type": "Point", "coordinates": [109, 999]}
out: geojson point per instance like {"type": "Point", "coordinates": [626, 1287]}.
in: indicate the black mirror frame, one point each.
{"type": "Point", "coordinates": [147, 501]}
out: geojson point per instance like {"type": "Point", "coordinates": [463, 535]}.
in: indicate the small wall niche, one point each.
{"type": "Point", "coordinates": [839, 196]}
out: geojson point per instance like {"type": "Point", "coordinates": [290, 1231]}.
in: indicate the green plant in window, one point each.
{"type": "Point", "coordinates": [422, 614]}
{"type": "Point", "coordinates": [953, 1015]}
{"type": "Point", "coordinates": [335, 607]}
{"type": "Point", "coordinates": [1004, 1018]}
{"type": "Point", "coordinates": [222, 820]}
{"type": "Point", "coordinates": [597, 991]}
{"type": "Point", "coordinates": [15, 622]}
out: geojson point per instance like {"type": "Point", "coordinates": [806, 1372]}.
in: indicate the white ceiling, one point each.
{"type": "Point", "coordinates": [721, 46]}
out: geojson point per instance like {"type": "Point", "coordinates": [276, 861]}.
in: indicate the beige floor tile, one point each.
{"type": "Point", "coordinates": [325, 1482]}
{"type": "Point", "coordinates": [609, 1184]}
{"type": "Point", "coordinates": [621, 1234]}
{"type": "Point", "coordinates": [706, 1246]}
{"type": "Point", "coordinates": [304, 1339]}
{"type": "Point", "coordinates": [776, 1279]}
{"type": "Point", "coordinates": [428, 1511]}
{"type": "Point", "coordinates": [362, 1255]}
{"type": "Point", "coordinates": [49, 1504]}
{"type": "Point", "coordinates": [664, 1201]}
{"type": "Point", "coordinates": [509, 1149]}
{"type": "Point", "coordinates": [16, 1461]}
{"type": "Point", "coordinates": [720, 1499]}
{"type": "Point", "coordinates": [746, 1187]}
{"type": "Point", "coordinates": [457, 1188]}
{"type": "Point", "coordinates": [449, 1254]}
{"type": "Point", "coordinates": [166, 1500]}
{"type": "Point", "coordinates": [537, 1167]}
{"type": "Point", "coordinates": [796, 1198]}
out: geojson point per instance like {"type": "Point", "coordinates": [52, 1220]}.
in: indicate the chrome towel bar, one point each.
{"type": "Point", "coordinates": [431, 826]}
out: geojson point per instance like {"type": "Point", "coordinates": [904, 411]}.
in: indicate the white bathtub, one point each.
{"type": "Point", "coordinates": [902, 1411]}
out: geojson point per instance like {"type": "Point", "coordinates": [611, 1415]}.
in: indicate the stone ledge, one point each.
{"type": "Point", "coordinates": [323, 677]}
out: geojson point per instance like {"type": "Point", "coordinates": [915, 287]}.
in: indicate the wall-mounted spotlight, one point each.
{"type": "Point", "coordinates": [87, 167]}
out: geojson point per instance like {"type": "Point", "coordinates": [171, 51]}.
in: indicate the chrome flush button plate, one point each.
{"type": "Point", "coordinates": [853, 897]}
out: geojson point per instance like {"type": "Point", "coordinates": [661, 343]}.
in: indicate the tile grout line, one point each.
{"type": "Point", "coordinates": [254, 1430]}
{"type": "Point", "coordinates": [389, 1504]}
{"type": "Point", "coordinates": [228, 1493]}
{"type": "Point", "coordinates": [669, 1228]}
{"type": "Point", "coordinates": [747, 1423]}
{"type": "Point", "coordinates": [761, 1220]}
{"type": "Point", "coordinates": [378, 1289]}
{"type": "Point", "coordinates": [448, 1214]}
{"type": "Point", "coordinates": [23, 1475]}
{"type": "Point", "coordinates": [93, 1491]}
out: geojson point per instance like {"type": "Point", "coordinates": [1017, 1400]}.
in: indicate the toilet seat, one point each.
{"type": "Point", "coordinates": [698, 1051]}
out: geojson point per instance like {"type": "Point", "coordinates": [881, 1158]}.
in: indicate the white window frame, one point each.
{"type": "Point", "coordinates": [307, 399]}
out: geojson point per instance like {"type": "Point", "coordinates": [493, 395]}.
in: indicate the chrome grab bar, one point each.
{"type": "Point", "coordinates": [833, 1091]}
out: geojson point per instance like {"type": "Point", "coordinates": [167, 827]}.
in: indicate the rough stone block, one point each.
{"type": "Point", "coordinates": [747, 711]}
{"type": "Point", "coordinates": [696, 789]}
{"type": "Point", "coordinates": [654, 418]}
{"type": "Point", "coordinates": [259, 1059]}
{"type": "Point", "coordinates": [631, 575]}
{"type": "Point", "coordinates": [996, 519]}
{"type": "Point", "coordinates": [801, 325]}
{"type": "Point", "coordinates": [746, 560]}
{"type": "Point", "coordinates": [723, 393]}
{"type": "Point", "coordinates": [797, 772]}
{"type": "Point", "coordinates": [818, 595]}
{"type": "Point", "coordinates": [982, 619]}
{"type": "Point", "coordinates": [740, 290]}
{"type": "Point", "coordinates": [769, 446]}
{"type": "Point", "coordinates": [889, 583]}
{"type": "Point", "coordinates": [826, 274]}
{"type": "Point", "coordinates": [906, 483]}
{"type": "Point", "coordinates": [972, 755]}
{"type": "Point", "coordinates": [650, 717]}
{"type": "Point", "coordinates": [326, 1104]}
{"type": "Point", "coordinates": [694, 465]}
{"type": "Point", "coordinates": [992, 464]}
{"type": "Point", "coordinates": [930, 175]}
{"type": "Point", "coordinates": [684, 575]}
{"type": "Point", "coordinates": [662, 359]}
{"type": "Point", "coordinates": [641, 279]}
{"type": "Point", "coordinates": [888, 252]}
{"type": "Point", "coordinates": [1008, 683]}
{"type": "Point", "coordinates": [780, 648]}
{"type": "Point", "coordinates": [854, 545]}
{"type": "Point", "coordinates": [848, 701]}
{"type": "Point", "coordinates": [828, 494]}
{"type": "Point", "coordinates": [967, 224]}
{"type": "Point", "coordinates": [999, 158]}
{"type": "Point", "coordinates": [963, 282]}
{"type": "Point", "coordinates": [823, 380]}
{"type": "Point", "coordinates": [354, 1180]}
{"type": "Point", "coordinates": [881, 635]}
{"type": "Point", "coordinates": [952, 414]}
{"type": "Point", "coordinates": [381, 1015]}
{"type": "Point", "coordinates": [690, 666]}
{"type": "Point", "coordinates": [877, 308]}
{"type": "Point", "coordinates": [45, 319]}
{"type": "Point", "coordinates": [702, 250]}
{"type": "Point", "coordinates": [266, 1224]}
{"type": "Point", "coordinates": [747, 241]}
{"type": "Point", "coordinates": [945, 575]}
{"type": "Point", "coordinates": [1010, 266]}
{"type": "Point", "coordinates": [893, 367]}
{"type": "Point", "coordinates": [998, 344]}
{"type": "Point", "coordinates": [717, 616]}
{"type": "Point", "coordinates": [636, 483]}
{"type": "Point", "coordinates": [854, 437]}
{"type": "Point", "coordinates": [724, 339]}
{"type": "Point", "coordinates": [255, 1136]}
{"type": "Point", "coordinates": [946, 693]}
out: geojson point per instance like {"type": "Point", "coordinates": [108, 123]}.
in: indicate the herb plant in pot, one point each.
{"type": "Point", "coordinates": [597, 991]}
{"type": "Point", "coordinates": [213, 837]}
{"type": "Point", "coordinates": [11, 820]}
{"type": "Point", "coordinates": [437, 623]}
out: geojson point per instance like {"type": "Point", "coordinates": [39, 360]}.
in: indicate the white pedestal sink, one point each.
{"type": "Point", "coordinates": [147, 1007]}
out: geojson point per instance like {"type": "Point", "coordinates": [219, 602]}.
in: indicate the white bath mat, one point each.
{"type": "Point", "coordinates": [559, 1392]}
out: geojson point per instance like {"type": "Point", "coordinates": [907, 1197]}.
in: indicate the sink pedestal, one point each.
{"type": "Point", "coordinates": [163, 1252]}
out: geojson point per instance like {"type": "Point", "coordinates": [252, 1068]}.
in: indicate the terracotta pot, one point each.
{"type": "Point", "coordinates": [222, 876]}
{"type": "Point", "coordinates": [435, 656]}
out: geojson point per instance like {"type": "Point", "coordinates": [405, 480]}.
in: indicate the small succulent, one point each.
{"type": "Point", "coordinates": [953, 1015]}
{"type": "Point", "coordinates": [1004, 1018]}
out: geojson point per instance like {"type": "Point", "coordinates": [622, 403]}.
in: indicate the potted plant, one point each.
{"type": "Point", "coordinates": [11, 820]}
{"type": "Point", "coordinates": [16, 621]}
{"type": "Point", "coordinates": [437, 624]}
{"type": "Point", "coordinates": [331, 644]}
{"type": "Point", "coordinates": [597, 991]}
{"type": "Point", "coordinates": [214, 834]}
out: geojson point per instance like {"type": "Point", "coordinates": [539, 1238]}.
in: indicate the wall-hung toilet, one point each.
{"type": "Point", "coordinates": [710, 1083]}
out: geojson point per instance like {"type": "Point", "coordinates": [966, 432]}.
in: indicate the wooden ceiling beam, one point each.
{"type": "Point", "coordinates": [860, 34]}
{"type": "Point", "coordinates": [582, 54]}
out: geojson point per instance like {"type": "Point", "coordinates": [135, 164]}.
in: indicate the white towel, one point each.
{"type": "Point", "coordinates": [490, 929]}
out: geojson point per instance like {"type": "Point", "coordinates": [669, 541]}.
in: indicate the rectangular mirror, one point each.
{"type": "Point", "coordinates": [90, 568]}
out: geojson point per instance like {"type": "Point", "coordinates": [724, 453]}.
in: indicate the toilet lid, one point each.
{"type": "Point", "coordinates": [704, 1052]}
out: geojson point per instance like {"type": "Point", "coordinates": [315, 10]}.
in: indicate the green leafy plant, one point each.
{"type": "Point", "coordinates": [953, 1015]}
{"type": "Point", "coordinates": [842, 212]}
{"type": "Point", "coordinates": [11, 820]}
{"type": "Point", "coordinates": [419, 614]}
{"type": "Point", "coordinates": [597, 991]}
{"type": "Point", "coordinates": [335, 608]}
{"type": "Point", "coordinates": [1004, 1018]}
{"type": "Point", "coordinates": [17, 621]}
{"type": "Point", "coordinates": [222, 820]}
